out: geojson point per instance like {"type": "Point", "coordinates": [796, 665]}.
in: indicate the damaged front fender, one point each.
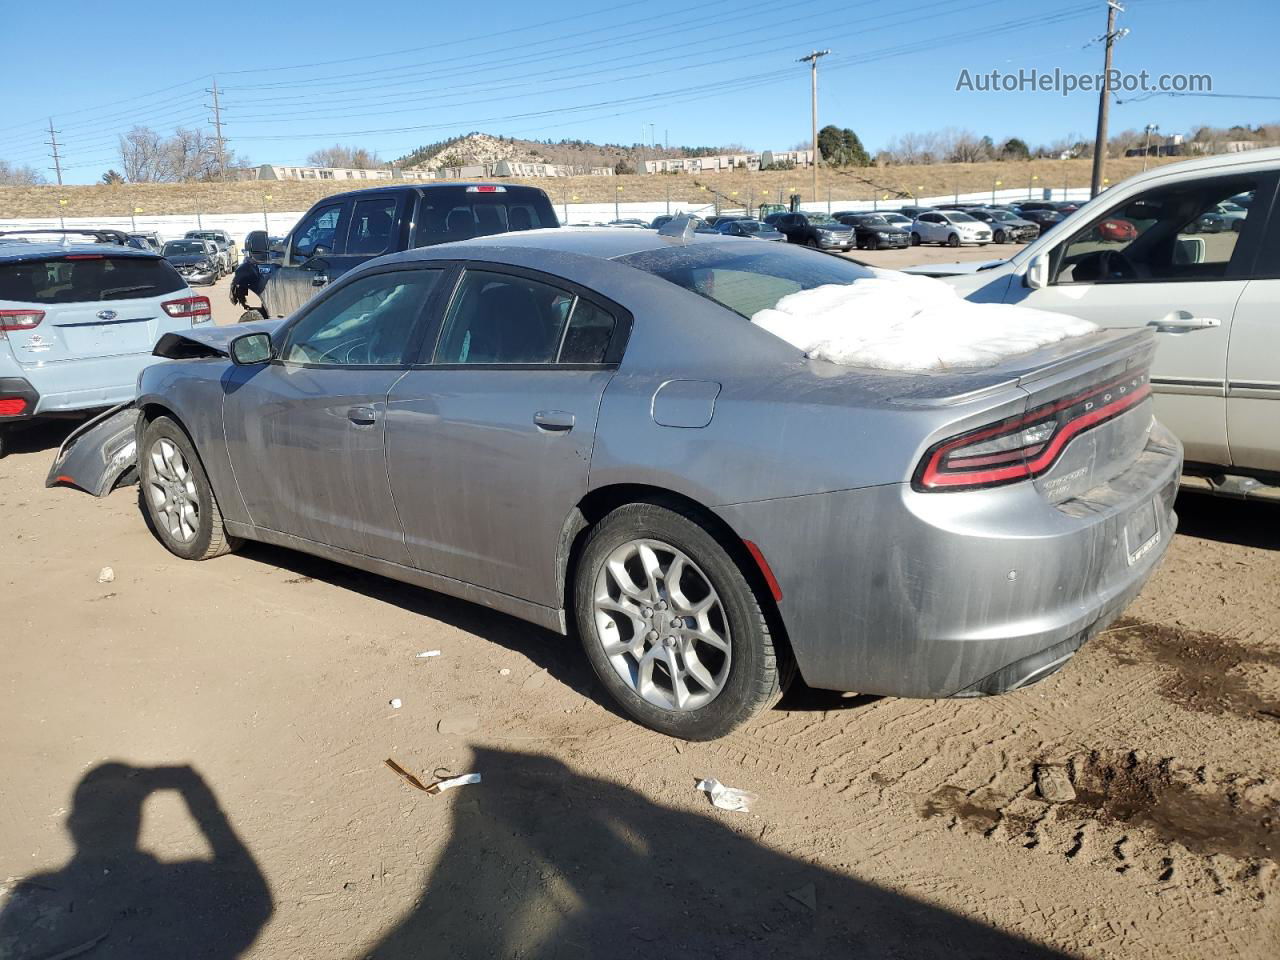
{"type": "Point", "coordinates": [101, 454]}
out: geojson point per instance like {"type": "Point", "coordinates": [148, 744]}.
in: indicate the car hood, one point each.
{"type": "Point", "coordinates": [203, 342]}
{"type": "Point", "coordinates": [953, 269]}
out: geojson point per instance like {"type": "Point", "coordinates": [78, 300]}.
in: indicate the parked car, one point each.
{"type": "Point", "coordinates": [1116, 230]}
{"type": "Point", "coordinates": [895, 219]}
{"type": "Point", "coordinates": [754, 229]}
{"type": "Point", "coordinates": [193, 260]}
{"type": "Point", "coordinates": [691, 514]}
{"type": "Point", "coordinates": [633, 223]}
{"type": "Point", "coordinates": [871, 231]}
{"type": "Point", "coordinates": [1005, 227]}
{"type": "Point", "coordinates": [345, 230]}
{"type": "Point", "coordinates": [1043, 217]}
{"type": "Point", "coordinates": [224, 242]}
{"type": "Point", "coordinates": [1212, 300]}
{"type": "Point", "coordinates": [1225, 216]}
{"type": "Point", "coordinates": [78, 322]}
{"type": "Point", "coordinates": [814, 230]}
{"type": "Point", "coordinates": [912, 212]}
{"type": "Point", "coordinates": [949, 227]}
{"type": "Point", "coordinates": [146, 241]}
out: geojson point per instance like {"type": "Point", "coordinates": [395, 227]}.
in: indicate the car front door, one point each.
{"type": "Point", "coordinates": [305, 432]}
{"type": "Point", "coordinates": [931, 228]}
{"type": "Point", "coordinates": [1182, 284]}
{"type": "Point", "coordinates": [1253, 359]}
{"type": "Point", "coordinates": [316, 243]}
{"type": "Point", "coordinates": [489, 441]}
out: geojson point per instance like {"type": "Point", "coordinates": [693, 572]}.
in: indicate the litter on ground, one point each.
{"type": "Point", "coordinates": [428, 653]}
{"type": "Point", "coordinates": [728, 798]}
{"type": "Point", "coordinates": [106, 575]}
{"type": "Point", "coordinates": [898, 321]}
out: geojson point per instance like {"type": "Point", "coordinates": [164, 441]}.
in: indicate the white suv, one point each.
{"type": "Point", "coordinates": [950, 227]}
{"type": "Point", "coordinates": [1137, 256]}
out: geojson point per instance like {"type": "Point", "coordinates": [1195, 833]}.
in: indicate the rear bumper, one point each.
{"type": "Point", "coordinates": [889, 591]}
{"type": "Point", "coordinates": [92, 383]}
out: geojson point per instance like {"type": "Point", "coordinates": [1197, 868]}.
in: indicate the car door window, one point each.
{"type": "Point", "coordinates": [502, 319]}
{"type": "Point", "coordinates": [1168, 234]}
{"type": "Point", "coordinates": [368, 322]}
{"type": "Point", "coordinates": [372, 226]}
{"type": "Point", "coordinates": [320, 229]}
{"type": "Point", "coordinates": [589, 335]}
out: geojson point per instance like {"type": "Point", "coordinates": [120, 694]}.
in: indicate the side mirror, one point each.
{"type": "Point", "coordinates": [256, 242]}
{"type": "Point", "coordinates": [252, 348]}
{"type": "Point", "coordinates": [1037, 274]}
{"type": "Point", "coordinates": [321, 250]}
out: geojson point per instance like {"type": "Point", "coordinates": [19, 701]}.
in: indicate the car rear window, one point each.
{"type": "Point", "coordinates": [453, 213]}
{"type": "Point", "coordinates": [746, 282]}
{"type": "Point", "coordinates": [87, 278]}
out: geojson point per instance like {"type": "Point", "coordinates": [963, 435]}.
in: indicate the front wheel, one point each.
{"type": "Point", "coordinates": [915, 239]}
{"type": "Point", "coordinates": [812, 243]}
{"type": "Point", "coordinates": [175, 491]}
{"type": "Point", "coordinates": [671, 626]}
{"type": "Point", "coordinates": [953, 240]}
{"type": "Point", "coordinates": [1000, 237]}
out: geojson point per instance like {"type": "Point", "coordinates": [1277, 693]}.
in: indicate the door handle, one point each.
{"type": "Point", "coordinates": [362, 416]}
{"type": "Point", "coordinates": [554, 420]}
{"type": "Point", "coordinates": [319, 280]}
{"type": "Point", "coordinates": [1183, 322]}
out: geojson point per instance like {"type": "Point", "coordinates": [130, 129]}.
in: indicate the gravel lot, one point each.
{"type": "Point", "coordinates": [194, 755]}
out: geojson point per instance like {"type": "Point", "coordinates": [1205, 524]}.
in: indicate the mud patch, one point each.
{"type": "Point", "coordinates": [1177, 805]}
{"type": "Point", "coordinates": [959, 803]}
{"type": "Point", "coordinates": [1207, 672]}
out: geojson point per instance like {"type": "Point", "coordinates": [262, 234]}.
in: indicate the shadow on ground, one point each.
{"type": "Point", "coordinates": [544, 863]}
{"type": "Point", "coordinates": [38, 436]}
{"type": "Point", "coordinates": [1243, 522]}
{"type": "Point", "coordinates": [113, 901]}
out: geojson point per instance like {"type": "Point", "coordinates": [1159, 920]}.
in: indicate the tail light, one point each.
{"type": "Point", "coordinates": [486, 188]}
{"type": "Point", "coordinates": [12, 406]}
{"type": "Point", "coordinates": [1025, 446]}
{"type": "Point", "coordinates": [15, 321]}
{"type": "Point", "coordinates": [196, 308]}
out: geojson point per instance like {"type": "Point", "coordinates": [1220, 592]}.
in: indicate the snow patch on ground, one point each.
{"type": "Point", "coordinates": [897, 321]}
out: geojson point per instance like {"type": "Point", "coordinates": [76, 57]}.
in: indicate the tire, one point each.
{"type": "Point", "coordinates": [811, 243]}
{"type": "Point", "coordinates": [953, 240]}
{"type": "Point", "coordinates": [1000, 237]}
{"type": "Point", "coordinates": [748, 677]}
{"type": "Point", "coordinates": [915, 239]}
{"type": "Point", "coordinates": [176, 495]}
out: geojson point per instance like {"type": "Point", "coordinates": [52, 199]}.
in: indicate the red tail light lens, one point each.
{"type": "Point", "coordinates": [13, 321]}
{"type": "Point", "coordinates": [197, 308]}
{"type": "Point", "coordinates": [1026, 446]}
{"type": "Point", "coordinates": [486, 188]}
{"type": "Point", "coordinates": [12, 406]}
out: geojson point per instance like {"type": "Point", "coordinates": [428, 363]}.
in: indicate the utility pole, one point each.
{"type": "Point", "coordinates": [217, 128]}
{"type": "Point", "coordinates": [1104, 98]}
{"type": "Point", "coordinates": [1146, 144]}
{"type": "Point", "coordinates": [812, 59]}
{"type": "Point", "coordinates": [53, 143]}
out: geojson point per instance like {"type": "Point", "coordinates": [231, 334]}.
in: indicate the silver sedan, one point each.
{"type": "Point", "coordinates": [583, 429]}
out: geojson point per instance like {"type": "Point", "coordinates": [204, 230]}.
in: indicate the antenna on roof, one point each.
{"type": "Point", "coordinates": [681, 227]}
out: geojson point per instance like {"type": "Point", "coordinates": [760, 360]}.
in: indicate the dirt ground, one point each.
{"type": "Point", "coordinates": [194, 766]}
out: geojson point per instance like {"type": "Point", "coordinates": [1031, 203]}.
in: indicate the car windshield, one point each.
{"type": "Point", "coordinates": [87, 278]}
{"type": "Point", "coordinates": [822, 219]}
{"type": "Point", "coordinates": [745, 282]}
{"type": "Point", "coordinates": [204, 236]}
{"type": "Point", "coordinates": [958, 217]}
{"type": "Point", "coordinates": [750, 226]}
{"type": "Point", "coordinates": [872, 221]}
{"type": "Point", "coordinates": [1001, 215]}
{"type": "Point", "coordinates": [897, 218]}
{"type": "Point", "coordinates": [183, 247]}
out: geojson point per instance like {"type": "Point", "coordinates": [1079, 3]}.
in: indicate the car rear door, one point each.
{"type": "Point", "coordinates": [1182, 284]}
{"type": "Point", "coordinates": [489, 440]}
{"type": "Point", "coordinates": [1253, 358]}
{"type": "Point", "coordinates": [305, 432]}
{"type": "Point", "coordinates": [303, 272]}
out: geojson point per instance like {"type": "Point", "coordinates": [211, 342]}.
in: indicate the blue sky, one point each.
{"type": "Point", "coordinates": [389, 77]}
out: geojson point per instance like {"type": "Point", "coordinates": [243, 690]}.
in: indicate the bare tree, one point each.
{"type": "Point", "coordinates": [144, 157]}
{"type": "Point", "coordinates": [353, 158]}
{"type": "Point", "coordinates": [192, 155]}
{"type": "Point", "coordinates": [19, 175]}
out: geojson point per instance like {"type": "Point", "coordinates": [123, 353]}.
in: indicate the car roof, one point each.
{"type": "Point", "coordinates": [420, 186]}
{"type": "Point", "coordinates": [15, 251]}
{"type": "Point", "coordinates": [605, 243]}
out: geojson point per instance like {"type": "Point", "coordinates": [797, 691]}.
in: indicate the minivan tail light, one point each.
{"type": "Point", "coordinates": [13, 321]}
{"type": "Point", "coordinates": [486, 188]}
{"type": "Point", "coordinates": [197, 308]}
{"type": "Point", "coordinates": [1026, 446]}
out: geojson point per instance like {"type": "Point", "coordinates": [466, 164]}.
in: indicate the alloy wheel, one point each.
{"type": "Point", "coordinates": [662, 625]}
{"type": "Point", "coordinates": [172, 491]}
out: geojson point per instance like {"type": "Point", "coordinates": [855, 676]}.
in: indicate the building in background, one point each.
{"type": "Point", "coordinates": [730, 161]}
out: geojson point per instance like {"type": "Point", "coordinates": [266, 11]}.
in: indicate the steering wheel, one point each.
{"type": "Point", "coordinates": [1102, 266]}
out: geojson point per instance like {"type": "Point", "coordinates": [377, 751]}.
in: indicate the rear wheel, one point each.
{"type": "Point", "coordinates": [672, 627]}
{"type": "Point", "coordinates": [177, 496]}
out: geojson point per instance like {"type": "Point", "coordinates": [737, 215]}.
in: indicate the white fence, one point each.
{"type": "Point", "coordinates": [278, 224]}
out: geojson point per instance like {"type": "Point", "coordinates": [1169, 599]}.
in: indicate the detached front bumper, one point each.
{"type": "Point", "coordinates": [887, 590]}
{"type": "Point", "coordinates": [100, 454]}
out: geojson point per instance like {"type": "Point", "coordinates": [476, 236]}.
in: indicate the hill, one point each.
{"type": "Point", "coordinates": [486, 148]}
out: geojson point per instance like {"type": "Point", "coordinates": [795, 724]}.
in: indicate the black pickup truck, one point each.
{"type": "Point", "coordinates": [348, 229]}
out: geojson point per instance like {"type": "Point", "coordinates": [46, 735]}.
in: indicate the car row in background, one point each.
{"type": "Point", "coordinates": [197, 261]}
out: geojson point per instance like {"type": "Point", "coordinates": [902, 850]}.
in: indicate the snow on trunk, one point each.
{"type": "Point", "coordinates": [897, 321]}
